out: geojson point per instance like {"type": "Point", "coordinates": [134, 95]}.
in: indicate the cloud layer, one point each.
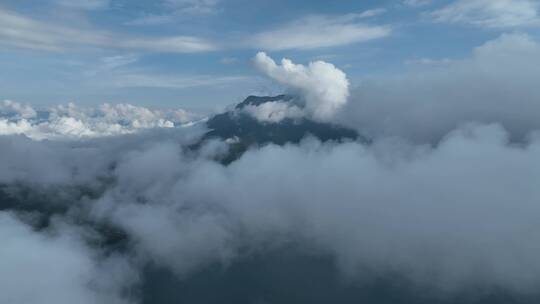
{"type": "Point", "coordinates": [443, 217]}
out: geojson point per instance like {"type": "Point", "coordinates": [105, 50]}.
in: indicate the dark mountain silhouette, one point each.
{"type": "Point", "coordinates": [248, 131]}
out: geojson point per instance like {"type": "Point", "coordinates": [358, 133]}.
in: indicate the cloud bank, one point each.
{"type": "Point", "coordinates": [71, 121]}
{"type": "Point", "coordinates": [496, 84]}
{"type": "Point", "coordinates": [360, 204]}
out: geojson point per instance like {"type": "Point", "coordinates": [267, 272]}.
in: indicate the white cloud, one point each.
{"type": "Point", "coordinates": [324, 87]}
{"type": "Point", "coordinates": [490, 13]}
{"type": "Point", "coordinates": [321, 31]}
{"type": "Point", "coordinates": [71, 121]}
{"type": "Point", "coordinates": [13, 109]}
{"type": "Point", "coordinates": [20, 31]}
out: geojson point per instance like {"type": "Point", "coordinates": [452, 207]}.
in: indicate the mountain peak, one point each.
{"type": "Point", "coordinates": [249, 131]}
{"type": "Point", "coordinates": [259, 100]}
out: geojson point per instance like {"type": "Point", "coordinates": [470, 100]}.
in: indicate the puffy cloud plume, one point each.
{"type": "Point", "coordinates": [324, 87]}
{"type": "Point", "coordinates": [496, 84]}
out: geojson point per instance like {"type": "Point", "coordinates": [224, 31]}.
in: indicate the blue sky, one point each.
{"type": "Point", "coordinates": [198, 54]}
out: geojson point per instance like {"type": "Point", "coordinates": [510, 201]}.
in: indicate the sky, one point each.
{"type": "Point", "coordinates": [198, 54]}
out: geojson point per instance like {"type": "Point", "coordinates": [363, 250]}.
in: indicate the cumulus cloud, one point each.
{"type": "Point", "coordinates": [321, 31]}
{"type": "Point", "coordinates": [490, 13]}
{"type": "Point", "coordinates": [71, 121]}
{"type": "Point", "coordinates": [495, 84]}
{"type": "Point", "coordinates": [9, 108]}
{"type": "Point", "coordinates": [324, 87]}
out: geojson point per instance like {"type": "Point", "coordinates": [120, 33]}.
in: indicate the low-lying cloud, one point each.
{"type": "Point", "coordinates": [496, 84]}
{"type": "Point", "coordinates": [443, 217]}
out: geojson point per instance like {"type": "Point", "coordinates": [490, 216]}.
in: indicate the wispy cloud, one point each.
{"type": "Point", "coordinates": [151, 19]}
{"type": "Point", "coordinates": [429, 61]}
{"type": "Point", "coordinates": [133, 80]}
{"type": "Point", "coordinates": [110, 63]}
{"type": "Point", "coordinates": [322, 31]}
{"type": "Point", "coordinates": [24, 32]}
{"type": "Point", "coordinates": [490, 13]}
{"type": "Point", "coordinates": [228, 60]}
{"type": "Point", "coordinates": [176, 9]}
{"type": "Point", "coordinates": [416, 2]}
{"type": "Point", "coordinates": [193, 6]}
